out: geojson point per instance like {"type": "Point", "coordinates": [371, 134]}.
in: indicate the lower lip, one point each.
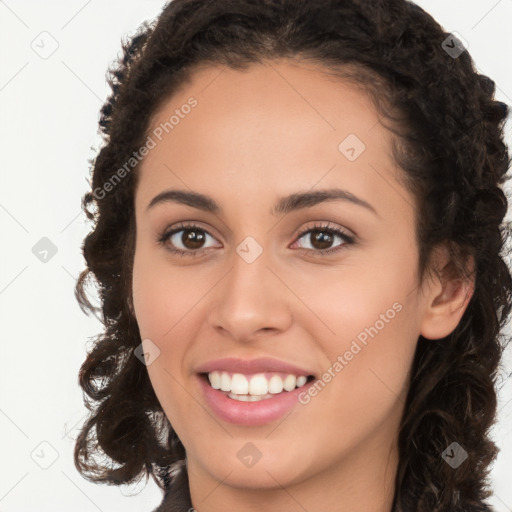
{"type": "Point", "coordinates": [250, 413]}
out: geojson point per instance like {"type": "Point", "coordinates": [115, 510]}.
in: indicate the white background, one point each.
{"type": "Point", "coordinates": [48, 130]}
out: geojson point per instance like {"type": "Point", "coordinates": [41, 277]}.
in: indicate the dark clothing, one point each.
{"type": "Point", "coordinates": [177, 495]}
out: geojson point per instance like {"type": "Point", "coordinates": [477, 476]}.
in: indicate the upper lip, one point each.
{"type": "Point", "coordinates": [251, 366]}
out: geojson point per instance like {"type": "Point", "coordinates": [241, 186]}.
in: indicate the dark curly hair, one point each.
{"type": "Point", "coordinates": [449, 142]}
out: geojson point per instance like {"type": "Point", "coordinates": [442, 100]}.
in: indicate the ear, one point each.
{"type": "Point", "coordinates": [447, 296]}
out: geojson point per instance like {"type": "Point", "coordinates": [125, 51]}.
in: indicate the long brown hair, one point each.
{"type": "Point", "coordinates": [450, 145]}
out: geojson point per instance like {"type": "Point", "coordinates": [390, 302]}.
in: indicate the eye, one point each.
{"type": "Point", "coordinates": [185, 239]}
{"type": "Point", "coordinates": [322, 238]}
{"type": "Point", "coordinates": [188, 239]}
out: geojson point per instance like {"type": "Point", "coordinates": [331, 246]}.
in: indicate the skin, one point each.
{"type": "Point", "coordinates": [255, 136]}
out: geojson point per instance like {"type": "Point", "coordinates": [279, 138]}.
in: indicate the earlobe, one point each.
{"type": "Point", "coordinates": [447, 301]}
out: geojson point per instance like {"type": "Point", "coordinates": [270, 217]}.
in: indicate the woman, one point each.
{"type": "Point", "coordinates": [297, 240]}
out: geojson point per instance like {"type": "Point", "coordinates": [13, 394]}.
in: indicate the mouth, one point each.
{"type": "Point", "coordinates": [252, 392]}
{"type": "Point", "coordinates": [254, 387]}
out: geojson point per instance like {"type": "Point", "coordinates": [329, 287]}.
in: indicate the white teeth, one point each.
{"type": "Point", "coordinates": [249, 398]}
{"type": "Point", "coordinates": [258, 385]}
{"type": "Point", "coordinates": [255, 387]}
{"type": "Point", "coordinates": [239, 384]}
{"type": "Point", "coordinates": [301, 381]}
{"type": "Point", "coordinates": [214, 378]}
{"type": "Point", "coordinates": [290, 382]}
{"type": "Point", "coordinates": [225, 382]}
{"type": "Point", "coordinates": [275, 384]}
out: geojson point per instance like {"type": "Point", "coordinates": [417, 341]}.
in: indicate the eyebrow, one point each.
{"type": "Point", "coordinates": [284, 205]}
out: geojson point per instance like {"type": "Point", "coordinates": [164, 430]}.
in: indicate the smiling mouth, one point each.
{"type": "Point", "coordinates": [254, 387]}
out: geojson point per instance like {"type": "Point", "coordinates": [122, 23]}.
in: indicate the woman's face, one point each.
{"type": "Point", "coordinates": [253, 294]}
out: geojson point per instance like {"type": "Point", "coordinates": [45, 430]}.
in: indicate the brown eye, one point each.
{"type": "Point", "coordinates": [186, 240]}
{"type": "Point", "coordinates": [192, 238]}
{"type": "Point", "coordinates": [322, 238]}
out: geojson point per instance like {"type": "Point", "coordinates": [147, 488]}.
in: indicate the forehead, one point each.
{"type": "Point", "coordinates": [279, 123]}
{"type": "Point", "coordinates": [263, 92]}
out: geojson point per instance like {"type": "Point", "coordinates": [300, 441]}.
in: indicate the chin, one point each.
{"type": "Point", "coordinates": [273, 470]}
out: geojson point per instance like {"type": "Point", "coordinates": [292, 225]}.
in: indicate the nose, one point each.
{"type": "Point", "coordinates": [251, 301]}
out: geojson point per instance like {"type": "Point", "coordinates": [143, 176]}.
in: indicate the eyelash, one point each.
{"type": "Point", "coordinates": [348, 240]}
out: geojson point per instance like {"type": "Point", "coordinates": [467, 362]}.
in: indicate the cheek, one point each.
{"type": "Point", "coordinates": [365, 322]}
{"type": "Point", "coordinates": [162, 303]}
{"type": "Point", "coordinates": [344, 304]}
{"type": "Point", "coordinates": [163, 296]}
{"type": "Point", "coordinates": [168, 304]}
{"type": "Point", "coordinates": [158, 306]}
